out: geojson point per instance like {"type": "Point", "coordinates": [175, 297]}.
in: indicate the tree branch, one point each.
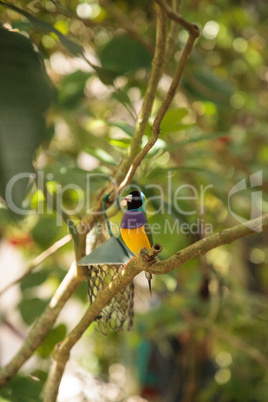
{"type": "Point", "coordinates": [42, 326]}
{"type": "Point", "coordinates": [143, 118]}
{"type": "Point", "coordinates": [193, 34]}
{"type": "Point", "coordinates": [173, 15]}
{"type": "Point", "coordinates": [164, 107]}
{"type": "Point", "coordinates": [146, 109]}
{"type": "Point", "coordinates": [145, 261]}
{"type": "Point", "coordinates": [103, 298]}
{"type": "Point", "coordinates": [131, 161]}
{"type": "Point", "coordinates": [38, 260]}
{"type": "Point", "coordinates": [206, 244]}
{"type": "Point", "coordinates": [173, 33]}
{"type": "Point", "coordinates": [124, 175]}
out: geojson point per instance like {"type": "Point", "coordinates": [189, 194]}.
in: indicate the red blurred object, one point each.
{"type": "Point", "coordinates": [149, 391]}
{"type": "Point", "coordinates": [22, 239]}
{"type": "Point", "coordinates": [225, 139]}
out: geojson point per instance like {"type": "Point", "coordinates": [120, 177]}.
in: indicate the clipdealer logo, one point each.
{"type": "Point", "coordinates": [256, 201]}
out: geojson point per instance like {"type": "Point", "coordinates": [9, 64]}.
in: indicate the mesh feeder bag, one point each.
{"type": "Point", "coordinates": [120, 310]}
{"type": "Point", "coordinates": [103, 265]}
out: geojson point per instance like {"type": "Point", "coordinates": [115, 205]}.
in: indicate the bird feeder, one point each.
{"type": "Point", "coordinates": [111, 252]}
{"type": "Point", "coordinates": [103, 264]}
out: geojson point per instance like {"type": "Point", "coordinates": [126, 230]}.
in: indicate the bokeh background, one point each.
{"type": "Point", "coordinates": [203, 334]}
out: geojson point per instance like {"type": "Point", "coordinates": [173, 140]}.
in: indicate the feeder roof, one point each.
{"type": "Point", "coordinates": [111, 252]}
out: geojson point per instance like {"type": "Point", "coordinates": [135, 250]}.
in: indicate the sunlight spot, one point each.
{"type": "Point", "coordinates": [223, 359]}
{"type": "Point", "coordinates": [223, 376]}
{"type": "Point", "coordinates": [171, 283]}
{"type": "Point", "coordinates": [183, 36]}
{"type": "Point", "coordinates": [94, 87]}
{"type": "Point", "coordinates": [238, 99]}
{"type": "Point", "coordinates": [240, 45]}
{"type": "Point", "coordinates": [263, 73]}
{"type": "Point", "coordinates": [257, 256]}
{"type": "Point", "coordinates": [70, 387]}
{"type": "Point", "coordinates": [112, 392]}
{"type": "Point", "coordinates": [48, 41]}
{"type": "Point", "coordinates": [120, 82]}
{"type": "Point", "coordinates": [84, 10]}
{"type": "Point", "coordinates": [211, 30]}
{"type": "Point", "coordinates": [134, 94]}
{"type": "Point", "coordinates": [87, 162]}
{"type": "Point", "coordinates": [117, 373]}
{"type": "Point", "coordinates": [8, 26]}
{"type": "Point", "coordinates": [199, 108]}
{"type": "Point", "coordinates": [101, 38]}
{"type": "Point", "coordinates": [213, 286]}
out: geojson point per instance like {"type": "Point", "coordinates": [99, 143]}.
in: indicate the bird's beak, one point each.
{"type": "Point", "coordinates": [128, 198]}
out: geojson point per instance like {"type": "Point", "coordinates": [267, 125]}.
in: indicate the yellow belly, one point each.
{"type": "Point", "coordinates": [135, 239]}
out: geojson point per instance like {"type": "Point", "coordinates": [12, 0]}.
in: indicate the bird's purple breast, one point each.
{"type": "Point", "coordinates": [133, 220]}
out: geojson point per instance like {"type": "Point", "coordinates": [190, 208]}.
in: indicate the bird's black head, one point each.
{"type": "Point", "coordinates": [135, 200]}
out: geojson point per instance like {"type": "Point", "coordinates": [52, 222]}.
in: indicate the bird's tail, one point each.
{"type": "Point", "coordinates": [149, 277]}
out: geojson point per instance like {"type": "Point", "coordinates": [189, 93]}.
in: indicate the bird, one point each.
{"type": "Point", "coordinates": [134, 227]}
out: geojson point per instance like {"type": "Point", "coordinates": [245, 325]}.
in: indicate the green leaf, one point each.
{"type": "Point", "coordinates": [101, 155]}
{"type": "Point", "coordinates": [46, 231]}
{"type": "Point", "coordinates": [105, 75]}
{"type": "Point", "coordinates": [4, 217]}
{"type": "Point", "coordinates": [66, 175]}
{"type": "Point", "coordinates": [197, 138]}
{"type": "Point", "coordinates": [22, 389]}
{"type": "Point", "coordinates": [127, 128]}
{"type": "Point", "coordinates": [72, 47]}
{"type": "Point", "coordinates": [123, 143]}
{"type": "Point", "coordinates": [71, 89]}
{"type": "Point", "coordinates": [123, 98]}
{"type": "Point", "coordinates": [161, 172]}
{"type": "Point", "coordinates": [22, 123]}
{"type": "Point", "coordinates": [172, 121]}
{"type": "Point", "coordinates": [124, 54]}
{"type": "Point", "coordinates": [56, 335]}
{"type": "Point", "coordinates": [87, 181]}
{"type": "Point", "coordinates": [31, 309]}
{"type": "Point", "coordinates": [204, 85]}
{"type": "Point", "coordinates": [34, 279]}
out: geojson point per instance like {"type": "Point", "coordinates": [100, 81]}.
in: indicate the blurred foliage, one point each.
{"type": "Point", "coordinates": [22, 128]}
{"type": "Point", "coordinates": [213, 136]}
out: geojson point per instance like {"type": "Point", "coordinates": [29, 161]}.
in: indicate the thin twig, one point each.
{"type": "Point", "coordinates": [13, 329]}
{"type": "Point", "coordinates": [172, 34]}
{"type": "Point", "coordinates": [38, 260]}
{"type": "Point", "coordinates": [143, 118]}
{"type": "Point", "coordinates": [146, 109]}
{"type": "Point", "coordinates": [163, 108]}
{"type": "Point", "coordinates": [173, 15]}
{"type": "Point", "coordinates": [62, 351]}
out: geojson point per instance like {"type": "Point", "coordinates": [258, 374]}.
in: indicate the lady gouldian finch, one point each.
{"type": "Point", "coordinates": [134, 228]}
